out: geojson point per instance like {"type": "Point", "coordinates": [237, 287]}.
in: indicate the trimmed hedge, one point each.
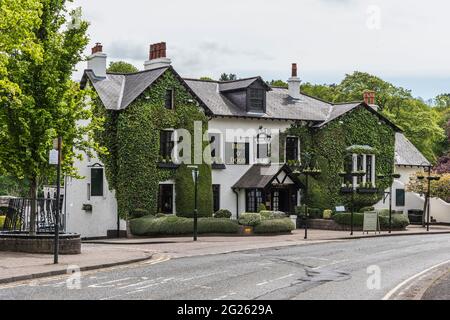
{"type": "Point", "coordinates": [267, 214]}
{"type": "Point", "coordinates": [222, 213]}
{"type": "Point", "coordinates": [274, 226]}
{"type": "Point", "coordinates": [344, 218]}
{"type": "Point", "coordinates": [250, 219]}
{"type": "Point", "coordinates": [173, 225]}
{"type": "Point", "coordinates": [399, 221]}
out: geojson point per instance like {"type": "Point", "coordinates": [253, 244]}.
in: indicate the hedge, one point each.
{"type": "Point", "coordinates": [250, 219]}
{"type": "Point", "coordinates": [267, 214]}
{"type": "Point", "coordinates": [2, 221]}
{"type": "Point", "coordinates": [222, 213]}
{"type": "Point", "coordinates": [399, 221]}
{"type": "Point", "coordinates": [173, 225]}
{"type": "Point", "coordinates": [274, 226]}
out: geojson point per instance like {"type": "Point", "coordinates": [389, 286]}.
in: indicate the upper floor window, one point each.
{"type": "Point", "coordinates": [263, 148]}
{"type": "Point", "coordinates": [360, 162]}
{"type": "Point", "coordinates": [292, 148]}
{"type": "Point", "coordinates": [215, 145]}
{"type": "Point", "coordinates": [166, 143]}
{"type": "Point", "coordinates": [168, 104]}
{"type": "Point", "coordinates": [238, 153]}
{"type": "Point", "coordinates": [96, 182]}
{"type": "Point", "coordinates": [256, 99]}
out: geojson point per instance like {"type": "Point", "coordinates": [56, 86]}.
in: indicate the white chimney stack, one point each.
{"type": "Point", "coordinates": [294, 83]}
{"type": "Point", "coordinates": [97, 61]}
{"type": "Point", "coordinates": [157, 57]}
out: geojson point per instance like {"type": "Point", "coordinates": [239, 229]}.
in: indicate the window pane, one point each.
{"type": "Point", "coordinates": [368, 168]}
{"type": "Point", "coordinates": [169, 99]}
{"type": "Point", "coordinates": [256, 99]}
{"type": "Point", "coordinates": [96, 182]}
{"type": "Point", "coordinates": [166, 144]}
{"type": "Point", "coordinates": [237, 153]}
{"type": "Point", "coordinates": [400, 197]}
{"type": "Point", "coordinates": [292, 148]}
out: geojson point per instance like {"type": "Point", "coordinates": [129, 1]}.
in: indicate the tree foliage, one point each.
{"type": "Point", "coordinates": [227, 77]}
{"type": "Point", "coordinates": [439, 189]}
{"type": "Point", "coordinates": [121, 67]}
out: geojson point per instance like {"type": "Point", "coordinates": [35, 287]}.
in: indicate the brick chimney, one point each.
{"type": "Point", "coordinates": [294, 83]}
{"type": "Point", "coordinates": [97, 61]}
{"type": "Point", "coordinates": [369, 97]}
{"type": "Point", "coordinates": [157, 57]}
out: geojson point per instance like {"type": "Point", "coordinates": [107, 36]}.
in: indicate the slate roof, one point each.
{"type": "Point", "coordinates": [118, 91]}
{"type": "Point", "coordinates": [406, 153]}
{"type": "Point", "coordinates": [260, 176]}
{"type": "Point", "coordinates": [239, 84]}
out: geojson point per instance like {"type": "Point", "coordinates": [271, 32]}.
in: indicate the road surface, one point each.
{"type": "Point", "coordinates": [350, 269]}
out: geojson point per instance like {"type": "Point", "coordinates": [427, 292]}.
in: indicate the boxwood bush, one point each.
{"type": "Point", "coordinates": [274, 226]}
{"type": "Point", "coordinates": [267, 214]}
{"type": "Point", "coordinates": [249, 219]}
{"type": "Point", "coordinates": [399, 221]}
{"type": "Point", "coordinates": [173, 225]}
{"type": "Point", "coordinates": [222, 213]}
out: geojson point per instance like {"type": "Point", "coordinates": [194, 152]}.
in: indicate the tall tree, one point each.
{"type": "Point", "coordinates": [50, 103]}
{"type": "Point", "coordinates": [227, 77]}
{"type": "Point", "coordinates": [121, 67]}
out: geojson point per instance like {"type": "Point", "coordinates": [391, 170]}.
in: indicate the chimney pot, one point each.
{"type": "Point", "coordinates": [294, 70]}
{"type": "Point", "coordinates": [369, 97]}
{"type": "Point", "coordinates": [97, 48]}
{"type": "Point", "coordinates": [97, 61]}
{"type": "Point", "coordinates": [157, 56]}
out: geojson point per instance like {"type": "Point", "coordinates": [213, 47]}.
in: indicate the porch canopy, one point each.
{"type": "Point", "coordinates": [261, 176]}
{"type": "Point", "coordinates": [275, 186]}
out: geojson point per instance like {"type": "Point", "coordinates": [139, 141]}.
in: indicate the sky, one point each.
{"type": "Point", "coordinates": [404, 42]}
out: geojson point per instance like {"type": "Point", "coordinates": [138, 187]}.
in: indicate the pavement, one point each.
{"type": "Point", "coordinates": [107, 253]}
{"type": "Point", "coordinates": [364, 269]}
{"type": "Point", "coordinates": [440, 288]}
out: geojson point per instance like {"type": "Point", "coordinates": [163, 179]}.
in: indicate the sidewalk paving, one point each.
{"type": "Point", "coordinates": [110, 252]}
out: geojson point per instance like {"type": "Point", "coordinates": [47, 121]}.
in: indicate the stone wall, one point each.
{"type": "Point", "coordinates": [68, 244]}
{"type": "Point", "coordinates": [324, 224]}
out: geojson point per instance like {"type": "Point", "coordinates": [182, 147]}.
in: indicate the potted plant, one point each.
{"type": "Point", "coordinates": [347, 188]}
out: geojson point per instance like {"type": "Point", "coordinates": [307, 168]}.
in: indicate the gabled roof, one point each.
{"type": "Point", "coordinates": [260, 176]}
{"type": "Point", "coordinates": [406, 153]}
{"type": "Point", "coordinates": [226, 86]}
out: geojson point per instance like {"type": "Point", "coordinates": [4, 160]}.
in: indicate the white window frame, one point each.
{"type": "Point", "coordinates": [355, 168]}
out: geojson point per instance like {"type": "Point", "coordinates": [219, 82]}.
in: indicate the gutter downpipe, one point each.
{"type": "Point", "coordinates": [236, 192]}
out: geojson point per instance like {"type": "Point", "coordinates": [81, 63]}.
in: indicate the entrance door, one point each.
{"type": "Point", "coordinates": [165, 198]}
{"type": "Point", "coordinates": [280, 200]}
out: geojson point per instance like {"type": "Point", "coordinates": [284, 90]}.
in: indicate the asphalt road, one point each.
{"type": "Point", "coordinates": [333, 270]}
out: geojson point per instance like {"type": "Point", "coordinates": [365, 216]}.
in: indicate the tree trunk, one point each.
{"type": "Point", "coordinates": [33, 206]}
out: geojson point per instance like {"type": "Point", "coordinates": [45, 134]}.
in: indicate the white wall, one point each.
{"type": "Point", "coordinates": [226, 178]}
{"type": "Point", "coordinates": [439, 209]}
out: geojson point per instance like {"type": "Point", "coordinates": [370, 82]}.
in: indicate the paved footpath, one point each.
{"type": "Point", "coordinates": [105, 253]}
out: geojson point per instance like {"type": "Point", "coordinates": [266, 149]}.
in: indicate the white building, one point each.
{"type": "Point", "coordinates": [248, 174]}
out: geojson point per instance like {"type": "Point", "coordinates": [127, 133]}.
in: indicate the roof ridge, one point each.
{"type": "Point", "coordinates": [136, 72]}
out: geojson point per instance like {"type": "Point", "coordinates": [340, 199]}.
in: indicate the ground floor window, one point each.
{"type": "Point", "coordinates": [400, 197]}
{"type": "Point", "coordinates": [96, 182]}
{"type": "Point", "coordinates": [165, 198]}
{"type": "Point", "coordinates": [254, 198]}
{"type": "Point", "coordinates": [216, 197]}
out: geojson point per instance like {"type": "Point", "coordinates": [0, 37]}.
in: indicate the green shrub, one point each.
{"type": "Point", "coordinates": [173, 225]}
{"type": "Point", "coordinates": [344, 218]}
{"type": "Point", "coordinates": [267, 214]}
{"type": "Point", "coordinates": [223, 213]}
{"type": "Point", "coordinates": [314, 213]}
{"type": "Point", "coordinates": [161, 215]}
{"type": "Point", "coordinates": [398, 221]}
{"type": "Point", "coordinates": [327, 214]}
{"type": "Point", "coordinates": [385, 212]}
{"type": "Point", "coordinates": [139, 213]}
{"type": "Point", "coordinates": [249, 219]}
{"type": "Point", "coordinates": [2, 221]}
{"type": "Point", "coordinates": [365, 209]}
{"type": "Point", "coordinates": [262, 207]}
{"type": "Point", "coordinates": [274, 226]}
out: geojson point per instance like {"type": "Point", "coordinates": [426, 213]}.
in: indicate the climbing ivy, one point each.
{"type": "Point", "coordinates": [132, 139]}
{"type": "Point", "coordinates": [328, 146]}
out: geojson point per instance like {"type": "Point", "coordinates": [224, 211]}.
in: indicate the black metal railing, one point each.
{"type": "Point", "coordinates": [18, 217]}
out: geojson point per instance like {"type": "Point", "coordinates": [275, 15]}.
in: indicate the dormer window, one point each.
{"type": "Point", "coordinates": [256, 100]}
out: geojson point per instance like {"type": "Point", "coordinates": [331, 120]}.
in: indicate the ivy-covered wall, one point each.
{"type": "Point", "coordinates": [328, 146]}
{"type": "Point", "coordinates": [132, 139]}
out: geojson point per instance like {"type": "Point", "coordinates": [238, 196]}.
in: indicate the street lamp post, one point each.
{"type": "Point", "coordinates": [428, 193]}
{"type": "Point", "coordinates": [394, 176]}
{"type": "Point", "coordinates": [195, 178]}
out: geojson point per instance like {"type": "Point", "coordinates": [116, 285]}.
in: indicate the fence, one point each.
{"type": "Point", "coordinates": [18, 217]}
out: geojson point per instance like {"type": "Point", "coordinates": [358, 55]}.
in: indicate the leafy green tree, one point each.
{"type": "Point", "coordinates": [227, 77]}
{"type": "Point", "coordinates": [322, 91]}
{"type": "Point", "coordinates": [121, 67]}
{"type": "Point", "coordinates": [50, 104]}
{"type": "Point", "coordinates": [278, 83]}
{"type": "Point", "coordinates": [206, 78]}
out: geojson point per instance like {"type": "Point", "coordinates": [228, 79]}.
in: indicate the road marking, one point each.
{"type": "Point", "coordinates": [329, 264]}
{"type": "Point", "coordinates": [393, 291]}
{"type": "Point", "coordinates": [109, 284]}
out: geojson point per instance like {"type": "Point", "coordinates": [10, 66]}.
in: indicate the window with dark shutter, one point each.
{"type": "Point", "coordinates": [400, 197]}
{"type": "Point", "coordinates": [96, 182]}
{"type": "Point", "coordinates": [169, 99]}
{"type": "Point", "coordinates": [165, 144]}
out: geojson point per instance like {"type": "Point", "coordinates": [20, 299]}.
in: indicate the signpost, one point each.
{"type": "Point", "coordinates": [55, 158]}
{"type": "Point", "coordinates": [371, 222]}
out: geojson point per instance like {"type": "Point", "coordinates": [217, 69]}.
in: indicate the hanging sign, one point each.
{"type": "Point", "coordinates": [53, 157]}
